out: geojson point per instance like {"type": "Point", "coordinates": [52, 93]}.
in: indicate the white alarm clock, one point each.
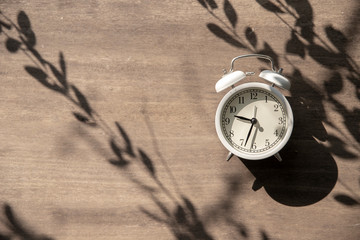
{"type": "Point", "coordinates": [254, 120]}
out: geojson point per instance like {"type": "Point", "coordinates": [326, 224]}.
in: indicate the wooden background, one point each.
{"type": "Point", "coordinates": [107, 120]}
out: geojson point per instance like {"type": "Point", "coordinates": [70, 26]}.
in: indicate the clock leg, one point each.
{"type": "Point", "coordinates": [278, 157]}
{"type": "Point", "coordinates": [257, 185]}
{"type": "Point", "coordinates": [230, 154]}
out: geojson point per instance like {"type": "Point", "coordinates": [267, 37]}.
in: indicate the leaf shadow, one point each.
{"type": "Point", "coordinates": [222, 34]}
{"type": "Point", "coordinates": [346, 200]}
{"type": "Point", "coordinates": [269, 6]}
{"type": "Point", "coordinates": [251, 37]}
{"type": "Point", "coordinates": [230, 13]}
{"type": "Point", "coordinates": [16, 229]}
{"type": "Point", "coordinates": [208, 4]}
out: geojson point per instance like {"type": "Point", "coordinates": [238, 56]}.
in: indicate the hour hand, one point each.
{"type": "Point", "coordinates": [243, 118]}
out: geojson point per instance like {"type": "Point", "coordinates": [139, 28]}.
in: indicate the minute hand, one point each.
{"type": "Point", "coordinates": [253, 121]}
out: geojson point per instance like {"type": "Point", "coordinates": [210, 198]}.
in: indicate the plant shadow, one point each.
{"type": "Point", "coordinates": [309, 171]}
{"type": "Point", "coordinates": [179, 215]}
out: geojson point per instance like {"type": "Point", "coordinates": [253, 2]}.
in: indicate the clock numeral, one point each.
{"type": "Point", "coordinates": [276, 108]}
{"type": "Point", "coordinates": [267, 142]}
{"type": "Point", "coordinates": [266, 99]}
{"type": "Point", "coordinates": [281, 121]}
{"type": "Point", "coordinates": [253, 146]}
{"type": "Point", "coordinates": [231, 133]}
{"type": "Point", "coordinates": [276, 133]}
{"type": "Point", "coordinates": [253, 95]}
{"type": "Point", "coordinates": [227, 121]}
{"type": "Point", "coordinates": [232, 109]}
{"type": "Point", "coordinates": [241, 100]}
{"type": "Point", "coordinates": [241, 142]}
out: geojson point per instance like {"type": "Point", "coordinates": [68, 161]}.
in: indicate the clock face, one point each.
{"type": "Point", "coordinates": [254, 122]}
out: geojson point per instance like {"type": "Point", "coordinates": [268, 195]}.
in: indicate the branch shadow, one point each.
{"type": "Point", "coordinates": [180, 216]}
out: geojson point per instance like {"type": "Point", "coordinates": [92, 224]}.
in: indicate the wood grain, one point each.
{"type": "Point", "coordinates": [107, 120]}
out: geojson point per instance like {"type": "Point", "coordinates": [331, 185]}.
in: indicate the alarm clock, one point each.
{"type": "Point", "coordinates": [254, 120]}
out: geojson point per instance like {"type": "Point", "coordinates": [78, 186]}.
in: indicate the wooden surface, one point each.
{"type": "Point", "coordinates": [107, 120]}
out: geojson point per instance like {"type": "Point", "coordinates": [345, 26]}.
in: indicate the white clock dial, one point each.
{"type": "Point", "coordinates": [254, 122]}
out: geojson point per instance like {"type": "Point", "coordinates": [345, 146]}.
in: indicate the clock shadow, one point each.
{"type": "Point", "coordinates": [307, 173]}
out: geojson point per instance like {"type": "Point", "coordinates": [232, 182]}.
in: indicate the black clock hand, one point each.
{"type": "Point", "coordinates": [243, 118]}
{"type": "Point", "coordinates": [253, 121]}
